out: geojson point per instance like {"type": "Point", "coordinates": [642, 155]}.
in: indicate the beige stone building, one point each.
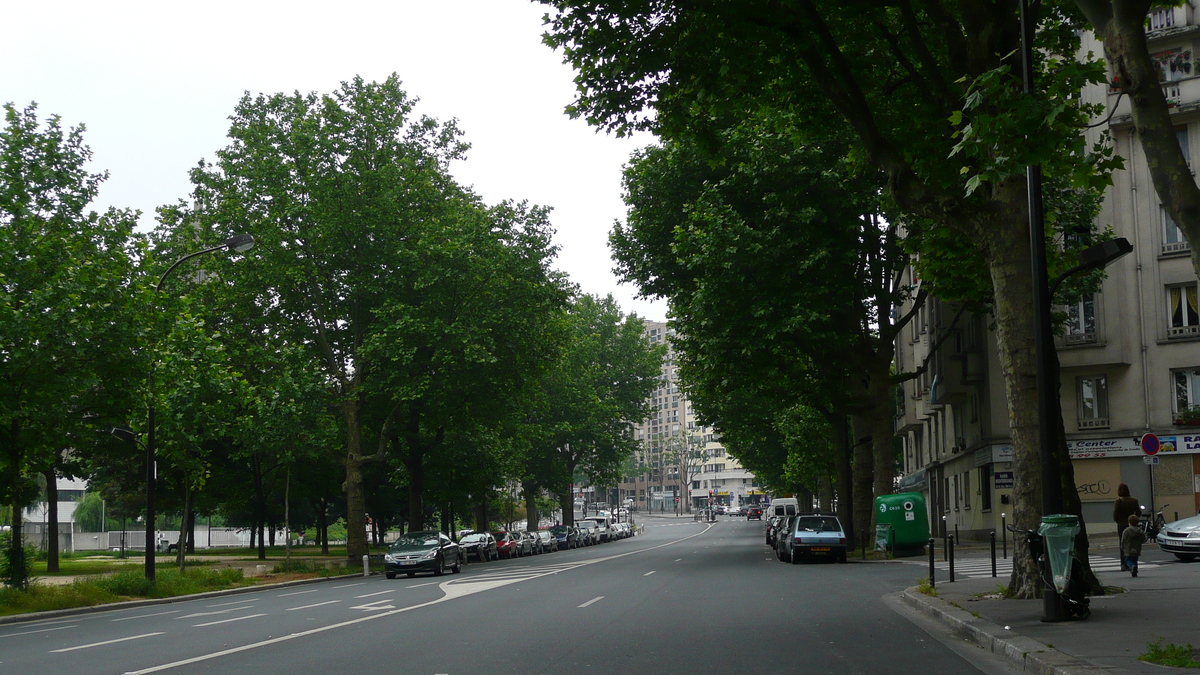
{"type": "Point", "coordinates": [1130, 354]}
{"type": "Point", "coordinates": [681, 462]}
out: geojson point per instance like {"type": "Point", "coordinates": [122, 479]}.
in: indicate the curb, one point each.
{"type": "Point", "coordinates": [1028, 654]}
{"type": "Point", "coordinates": [126, 604]}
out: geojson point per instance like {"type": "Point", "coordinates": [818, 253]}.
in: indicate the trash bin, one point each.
{"type": "Point", "coordinates": [905, 513]}
{"type": "Point", "coordinates": [883, 538]}
{"type": "Point", "coordinates": [1059, 532]}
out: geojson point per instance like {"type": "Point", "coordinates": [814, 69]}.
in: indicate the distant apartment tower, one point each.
{"type": "Point", "coordinates": [1130, 354]}
{"type": "Point", "coordinates": [680, 463]}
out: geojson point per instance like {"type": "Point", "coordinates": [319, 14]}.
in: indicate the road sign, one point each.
{"type": "Point", "coordinates": [1150, 459]}
{"type": "Point", "coordinates": [1150, 445]}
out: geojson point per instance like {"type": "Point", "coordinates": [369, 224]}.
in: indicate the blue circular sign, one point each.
{"type": "Point", "coordinates": [1150, 444]}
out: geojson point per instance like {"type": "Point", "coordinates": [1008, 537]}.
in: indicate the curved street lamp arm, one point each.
{"type": "Point", "coordinates": [177, 263]}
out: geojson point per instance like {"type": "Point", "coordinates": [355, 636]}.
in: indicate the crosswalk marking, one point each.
{"type": "Point", "coordinates": [978, 568]}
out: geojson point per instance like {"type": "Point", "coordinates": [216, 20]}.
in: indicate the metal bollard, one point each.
{"type": "Point", "coordinates": [1004, 534]}
{"type": "Point", "coordinates": [932, 583]}
{"type": "Point", "coordinates": [993, 538]}
{"type": "Point", "coordinates": [951, 559]}
{"type": "Point", "coordinates": [956, 537]}
{"type": "Point", "coordinates": [366, 565]}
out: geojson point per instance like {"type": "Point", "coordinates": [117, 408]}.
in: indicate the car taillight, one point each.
{"type": "Point", "coordinates": [841, 540]}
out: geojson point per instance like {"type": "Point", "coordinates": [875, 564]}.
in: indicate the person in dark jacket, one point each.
{"type": "Point", "coordinates": [1123, 507]}
{"type": "Point", "coordinates": [1131, 545]}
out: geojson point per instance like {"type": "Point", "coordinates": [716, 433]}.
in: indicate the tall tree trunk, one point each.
{"type": "Point", "coordinates": [566, 502]}
{"type": "Point", "coordinates": [355, 488]}
{"type": "Point", "coordinates": [323, 520]}
{"type": "Point", "coordinates": [825, 494]}
{"type": "Point", "coordinates": [51, 520]}
{"type": "Point", "coordinates": [482, 521]}
{"type": "Point", "coordinates": [184, 538]}
{"type": "Point", "coordinates": [191, 528]}
{"type": "Point", "coordinates": [260, 505]}
{"type": "Point", "coordinates": [840, 429]}
{"type": "Point", "coordinates": [864, 478]}
{"type": "Point", "coordinates": [446, 522]}
{"type": "Point", "coordinates": [532, 519]}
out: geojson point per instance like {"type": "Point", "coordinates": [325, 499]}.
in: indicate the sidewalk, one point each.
{"type": "Point", "coordinates": [1160, 602]}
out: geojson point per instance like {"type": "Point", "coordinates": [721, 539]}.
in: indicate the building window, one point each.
{"type": "Point", "coordinates": [1187, 394]}
{"type": "Point", "coordinates": [1184, 320]}
{"type": "Point", "coordinates": [1092, 393]}
{"type": "Point", "coordinates": [1173, 64]}
{"type": "Point", "coordinates": [966, 489]}
{"type": "Point", "coordinates": [1173, 241]}
{"type": "Point", "coordinates": [985, 487]}
{"type": "Point", "coordinates": [1081, 321]}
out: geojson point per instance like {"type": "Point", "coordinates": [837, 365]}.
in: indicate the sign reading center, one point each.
{"type": "Point", "coordinates": [1150, 444]}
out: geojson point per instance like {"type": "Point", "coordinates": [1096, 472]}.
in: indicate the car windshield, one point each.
{"type": "Point", "coordinates": [416, 539]}
{"type": "Point", "coordinates": [818, 524]}
{"type": "Point", "coordinates": [560, 529]}
{"type": "Point", "coordinates": [587, 524]}
{"type": "Point", "coordinates": [499, 535]}
{"type": "Point", "coordinates": [471, 538]}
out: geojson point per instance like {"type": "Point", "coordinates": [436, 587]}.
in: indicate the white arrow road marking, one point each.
{"type": "Point", "coordinates": [327, 602]}
{"type": "Point", "coordinates": [236, 618]}
{"type": "Point", "coordinates": [44, 630]}
{"type": "Point", "coordinates": [593, 600]}
{"type": "Point", "coordinates": [425, 584]}
{"type": "Point", "coordinates": [452, 590]}
{"type": "Point", "coordinates": [106, 642]}
{"type": "Point", "coordinates": [374, 605]}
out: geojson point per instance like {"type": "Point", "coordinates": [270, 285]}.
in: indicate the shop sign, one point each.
{"type": "Point", "coordinates": [1189, 444]}
{"type": "Point", "coordinates": [1095, 448]}
{"type": "Point", "coordinates": [1004, 480]}
{"type": "Point", "coordinates": [1002, 453]}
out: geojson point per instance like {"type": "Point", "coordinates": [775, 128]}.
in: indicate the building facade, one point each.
{"type": "Point", "coordinates": [681, 465]}
{"type": "Point", "coordinates": [1130, 353]}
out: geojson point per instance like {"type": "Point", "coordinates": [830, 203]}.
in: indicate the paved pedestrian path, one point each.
{"type": "Point", "coordinates": [978, 568]}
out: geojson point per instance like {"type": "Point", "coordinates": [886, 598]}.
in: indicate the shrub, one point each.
{"type": "Point", "coordinates": [1178, 656]}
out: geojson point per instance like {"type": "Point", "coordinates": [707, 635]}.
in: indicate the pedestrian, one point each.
{"type": "Point", "coordinates": [1123, 507]}
{"type": "Point", "coordinates": [1131, 543]}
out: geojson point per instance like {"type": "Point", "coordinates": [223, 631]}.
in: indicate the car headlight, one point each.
{"type": "Point", "coordinates": [388, 557]}
{"type": "Point", "coordinates": [431, 554]}
{"type": "Point", "coordinates": [1194, 534]}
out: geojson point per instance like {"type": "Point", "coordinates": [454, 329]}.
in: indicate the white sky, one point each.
{"type": "Point", "coordinates": [155, 83]}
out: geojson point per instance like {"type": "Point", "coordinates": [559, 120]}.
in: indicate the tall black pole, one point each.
{"type": "Point", "coordinates": [150, 529]}
{"type": "Point", "coordinates": [1052, 609]}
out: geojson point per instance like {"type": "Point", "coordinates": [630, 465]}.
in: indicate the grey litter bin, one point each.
{"type": "Point", "coordinates": [1059, 533]}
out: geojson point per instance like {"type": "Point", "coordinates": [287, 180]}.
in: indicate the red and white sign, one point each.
{"type": "Point", "coordinates": [1150, 445]}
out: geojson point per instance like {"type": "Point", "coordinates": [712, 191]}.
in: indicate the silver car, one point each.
{"type": "Point", "coordinates": [1181, 538]}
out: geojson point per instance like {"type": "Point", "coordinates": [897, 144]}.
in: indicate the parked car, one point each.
{"type": "Point", "coordinates": [481, 546]}
{"type": "Point", "coordinates": [1181, 538]}
{"type": "Point", "coordinates": [423, 551]}
{"type": "Point", "coordinates": [507, 545]}
{"type": "Point", "coordinates": [604, 528]}
{"type": "Point", "coordinates": [531, 543]}
{"type": "Point", "coordinates": [566, 536]}
{"type": "Point", "coordinates": [589, 531]}
{"type": "Point", "coordinates": [813, 535]}
{"type": "Point", "coordinates": [771, 523]}
{"type": "Point", "coordinates": [754, 513]}
{"type": "Point", "coordinates": [548, 540]}
{"type": "Point", "coordinates": [778, 532]}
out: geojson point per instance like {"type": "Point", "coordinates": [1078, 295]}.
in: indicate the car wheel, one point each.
{"type": "Point", "coordinates": [441, 568]}
{"type": "Point", "coordinates": [794, 559]}
{"type": "Point", "coordinates": [841, 556]}
{"type": "Point", "coordinates": [1186, 557]}
{"type": "Point", "coordinates": [390, 575]}
{"type": "Point", "coordinates": [457, 566]}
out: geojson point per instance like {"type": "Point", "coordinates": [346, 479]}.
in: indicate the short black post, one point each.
{"type": "Point", "coordinates": [932, 583]}
{"type": "Point", "coordinates": [1004, 534]}
{"type": "Point", "coordinates": [951, 559]}
{"type": "Point", "coordinates": [945, 545]}
{"type": "Point", "coordinates": [956, 536]}
{"type": "Point", "coordinates": [992, 536]}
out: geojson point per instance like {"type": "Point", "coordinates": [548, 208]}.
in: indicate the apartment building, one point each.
{"type": "Point", "coordinates": [1130, 353]}
{"type": "Point", "coordinates": [680, 463]}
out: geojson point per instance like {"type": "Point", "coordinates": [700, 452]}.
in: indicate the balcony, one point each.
{"type": "Point", "coordinates": [1176, 247]}
{"type": "Point", "coordinates": [1085, 338]}
{"type": "Point", "coordinates": [1177, 332]}
{"type": "Point", "coordinates": [1094, 423]}
{"type": "Point", "coordinates": [1161, 19]}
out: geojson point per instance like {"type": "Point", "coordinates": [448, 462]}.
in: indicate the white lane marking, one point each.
{"type": "Point", "coordinates": [593, 600]}
{"type": "Point", "coordinates": [649, 573]}
{"type": "Point", "coordinates": [106, 642]}
{"type": "Point", "coordinates": [327, 602]}
{"type": "Point", "coordinates": [371, 617]}
{"type": "Point", "coordinates": [219, 611]}
{"type": "Point", "coordinates": [235, 602]}
{"type": "Point", "coordinates": [143, 616]}
{"type": "Point", "coordinates": [284, 595]}
{"type": "Point", "coordinates": [677, 559]}
{"type": "Point", "coordinates": [420, 585]}
{"type": "Point", "coordinates": [236, 618]}
{"type": "Point", "coordinates": [368, 595]}
{"type": "Point", "coordinates": [349, 585]}
{"type": "Point", "coordinates": [374, 606]}
{"type": "Point", "coordinates": [43, 630]}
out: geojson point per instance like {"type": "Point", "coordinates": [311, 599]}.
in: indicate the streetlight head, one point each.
{"type": "Point", "coordinates": [1105, 252]}
{"type": "Point", "coordinates": [123, 434]}
{"type": "Point", "coordinates": [240, 243]}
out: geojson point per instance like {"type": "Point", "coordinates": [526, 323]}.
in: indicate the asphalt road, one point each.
{"type": "Point", "coordinates": [682, 598]}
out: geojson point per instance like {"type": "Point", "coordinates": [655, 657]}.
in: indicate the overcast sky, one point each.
{"type": "Point", "coordinates": [156, 82]}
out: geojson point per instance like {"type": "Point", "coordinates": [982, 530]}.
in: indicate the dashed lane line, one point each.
{"type": "Point", "coordinates": [235, 602]}
{"type": "Point", "coordinates": [649, 573]}
{"type": "Point", "coordinates": [349, 585]}
{"type": "Point", "coordinates": [594, 600]}
{"type": "Point", "coordinates": [106, 642]}
{"type": "Point", "coordinates": [327, 602]}
{"type": "Point", "coordinates": [43, 630]}
{"type": "Point", "coordinates": [146, 616]}
{"type": "Point", "coordinates": [369, 595]}
{"type": "Point", "coordinates": [284, 595]}
{"type": "Point", "coordinates": [236, 618]}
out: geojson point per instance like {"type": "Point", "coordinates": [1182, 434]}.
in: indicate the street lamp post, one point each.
{"type": "Point", "coordinates": [236, 244]}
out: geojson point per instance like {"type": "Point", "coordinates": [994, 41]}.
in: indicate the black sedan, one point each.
{"type": "Point", "coordinates": [481, 546]}
{"type": "Point", "coordinates": [566, 536]}
{"type": "Point", "coordinates": [424, 551]}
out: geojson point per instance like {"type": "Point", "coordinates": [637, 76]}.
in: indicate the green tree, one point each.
{"type": "Point", "coordinates": [890, 76]}
{"type": "Point", "coordinates": [66, 306]}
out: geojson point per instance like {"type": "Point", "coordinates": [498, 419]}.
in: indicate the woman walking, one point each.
{"type": "Point", "coordinates": [1123, 507]}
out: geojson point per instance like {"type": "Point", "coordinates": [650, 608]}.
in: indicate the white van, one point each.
{"type": "Point", "coordinates": [604, 527]}
{"type": "Point", "coordinates": [787, 506]}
